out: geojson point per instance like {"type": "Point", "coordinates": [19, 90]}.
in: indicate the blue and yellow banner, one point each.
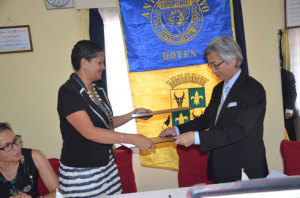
{"type": "Point", "coordinates": [163, 34]}
{"type": "Point", "coordinates": [165, 41]}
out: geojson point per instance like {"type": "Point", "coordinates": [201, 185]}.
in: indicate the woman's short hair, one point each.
{"type": "Point", "coordinates": [84, 49]}
{"type": "Point", "coordinates": [226, 48]}
{"type": "Point", "coordinates": [4, 126]}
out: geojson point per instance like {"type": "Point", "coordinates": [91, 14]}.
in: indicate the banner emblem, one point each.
{"type": "Point", "coordinates": [189, 97]}
{"type": "Point", "coordinates": [176, 22]}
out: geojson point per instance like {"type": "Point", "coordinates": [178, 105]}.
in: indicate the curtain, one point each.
{"type": "Point", "coordinates": [116, 68]}
{"type": "Point", "coordinates": [284, 48]}
{"type": "Point", "coordinates": [115, 78]}
{"type": "Point", "coordinates": [84, 24]}
{"type": "Point", "coordinates": [239, 32]}
{"type": "Point", "coordinates": [97, 35]}
{"type": "Point", "coordinates": [294, 46]}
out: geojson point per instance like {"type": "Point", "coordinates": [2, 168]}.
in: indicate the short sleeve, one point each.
{"type": "Point", "coordinates": [69, 101]}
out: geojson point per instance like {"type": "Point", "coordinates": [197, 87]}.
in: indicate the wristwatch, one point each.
{"type": "Point", "coordinates": [56, 4]}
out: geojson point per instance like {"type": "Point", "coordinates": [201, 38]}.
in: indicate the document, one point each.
{"type": "Point", "coordinates": [143, 115]}
{"type": "Point", "coordinates": [158, 140]}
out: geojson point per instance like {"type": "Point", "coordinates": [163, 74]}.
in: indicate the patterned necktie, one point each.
{"type": "Point", "coordinates": [225, 93]}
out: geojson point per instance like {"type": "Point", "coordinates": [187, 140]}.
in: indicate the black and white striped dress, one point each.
{"type": "Point", "coordinates": [89, 182]}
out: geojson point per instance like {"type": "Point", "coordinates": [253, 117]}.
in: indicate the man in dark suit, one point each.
{"type": "Point", "coordinates": [289, 95]}
{"type": "Point", "coordinates": [231, 128]}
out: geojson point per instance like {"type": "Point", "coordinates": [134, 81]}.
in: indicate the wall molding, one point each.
{"type": "Point", "coordinates": [82, 4]}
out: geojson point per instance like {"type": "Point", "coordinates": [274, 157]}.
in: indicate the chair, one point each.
{"type": "Point", "coordinates": [192, 166]}
{"type": "Point", "coordinates": [41, 187]}
{"type": "Point", "coordinates": [123, 158]}
{"type": "Point", "coordinates": [290, 152]}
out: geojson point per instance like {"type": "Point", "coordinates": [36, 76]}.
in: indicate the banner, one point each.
{"type": "Point", "coordinates": [165, 41]}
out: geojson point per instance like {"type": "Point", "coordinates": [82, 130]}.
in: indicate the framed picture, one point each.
{"type": "Point", "coordinates": [15, 39]}
{"type": "Point", "coordinates": [292, 13]}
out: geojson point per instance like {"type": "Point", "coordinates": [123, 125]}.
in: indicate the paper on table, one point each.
{"type": "Point", "coordinates": [141, 115]}
{"type": "Point", "coordinates": [244, 176]}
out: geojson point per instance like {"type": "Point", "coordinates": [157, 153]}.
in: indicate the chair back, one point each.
{"type": "Point", "coordinates": [290, 152]}
{"type": "Point", "coordinates": [123, 159]}
{"type": "Point", "coordinates": [192, 166]}
{"type": "Point", "coordinates": [41, 187]}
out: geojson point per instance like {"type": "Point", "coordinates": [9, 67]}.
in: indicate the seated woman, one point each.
{"type": "Point", "coordinates": [19, 168]}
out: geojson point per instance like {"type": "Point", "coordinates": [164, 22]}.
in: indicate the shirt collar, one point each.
{"type": "Point", "coordinates": [233, 79]}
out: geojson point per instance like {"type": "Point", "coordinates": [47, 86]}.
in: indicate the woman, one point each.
{"type": "Point", "coordinates": [19, 168]}
{"type": "Point", "coordinates": [87, 167]}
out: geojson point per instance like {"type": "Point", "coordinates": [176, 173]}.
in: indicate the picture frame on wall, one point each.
{"type": "Point", "coordinates": [15, 39]}
{"type": "Point", "coordinates": [292, 13]}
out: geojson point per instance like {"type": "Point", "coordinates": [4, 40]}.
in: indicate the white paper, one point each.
{"type": "Point", "coordinates": [58, 194]}
{"type": "Point", "coordinates": [276, 174]}
{"type": "Point", "coordinates": [244, 176]}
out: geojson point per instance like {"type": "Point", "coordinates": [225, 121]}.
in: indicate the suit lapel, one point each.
{"type": "Point", "coordinates": [215, 101]}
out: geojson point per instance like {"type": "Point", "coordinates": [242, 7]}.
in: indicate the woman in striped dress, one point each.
{"type": "Point", "coordinates": [87, 167]}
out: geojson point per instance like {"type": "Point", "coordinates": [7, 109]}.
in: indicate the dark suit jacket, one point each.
{"type": "Point", "coordinates": [236, 140]}
{"type": "Point", "coordinates": [289, 93]}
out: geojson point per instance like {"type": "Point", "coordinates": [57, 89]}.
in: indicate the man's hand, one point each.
{"type": "Point", "coordinates": [185, 139]}
{"type": "Point", "coordinates": [288, 115]}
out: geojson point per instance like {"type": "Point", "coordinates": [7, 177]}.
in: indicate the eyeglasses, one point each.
{"type": "Point", "coordinates": [16, 141]}
{"type": "Point", "coordinates": [215, 65]}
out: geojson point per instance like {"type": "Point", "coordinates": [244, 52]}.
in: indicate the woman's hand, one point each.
{"type": "Point", "coordinates": [144, 143]}
{"type": "Point", "coordinates": [143, 110]}
{"type": "Point", "coordinates": [21, 195]}
{"type": "Point", "coordinates": [168, 132]}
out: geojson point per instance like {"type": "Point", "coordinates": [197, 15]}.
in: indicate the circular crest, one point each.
{"type": "Point", "coordinates": [176, 21]}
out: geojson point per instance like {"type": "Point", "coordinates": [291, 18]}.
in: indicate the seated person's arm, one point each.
{"type": "Point", "coordinates": [46, 172]}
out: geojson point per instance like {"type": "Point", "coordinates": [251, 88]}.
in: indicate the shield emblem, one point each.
{"type": "Point", "coordinates": [187, 97]}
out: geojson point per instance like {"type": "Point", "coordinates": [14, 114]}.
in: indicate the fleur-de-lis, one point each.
{"type": "Point", "coordinates": [196, 98]}
{"type": "Point", "coordinates": [181, 118]}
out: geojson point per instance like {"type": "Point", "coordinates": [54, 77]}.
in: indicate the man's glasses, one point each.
{"type": "Point", "coordinates": [16, 141]}
{"type": "Point", "coordinates": [211, 65]}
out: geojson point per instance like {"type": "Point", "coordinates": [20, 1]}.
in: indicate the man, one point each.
{"type": "Point", "coordinates": [231, 127]}
{"type": "Point", "coordinates": [289, 95]}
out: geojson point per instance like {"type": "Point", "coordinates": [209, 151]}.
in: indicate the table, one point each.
{"type": "Point", "coordinates": [165, 193]}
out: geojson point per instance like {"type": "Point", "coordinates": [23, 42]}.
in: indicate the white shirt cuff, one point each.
{"type": "Point", "coordinates": [177, 130]}
{"type": "Point", "coordinates": [197, 138]}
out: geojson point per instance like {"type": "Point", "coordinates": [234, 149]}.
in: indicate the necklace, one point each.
{"type": "Point", "coordinates": [98, 101]}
